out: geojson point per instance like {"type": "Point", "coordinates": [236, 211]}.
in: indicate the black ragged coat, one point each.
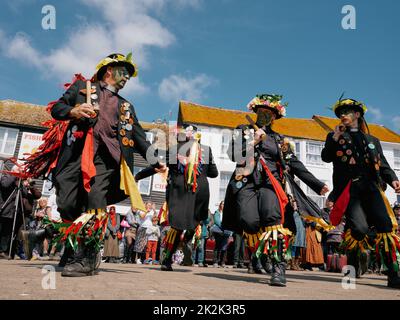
{"type": "Point", "coordinates": [134, 139]}
{"type": "Point", "coordinates": [340, 153]}
{"type": "Point", "coordinates": [276, 161]}
{"type": "Point", "coordinates": [186, 208]}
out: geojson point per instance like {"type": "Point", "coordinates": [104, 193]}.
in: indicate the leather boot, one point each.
{"type": "Point", "coordinates": [127, 254]}
{"type": "Point", "coordinates": [32, 237]}
{"type": "Point", "coordinates": [392, 275]}
{"type": "Point", "coordinates": [254, 265]}
{"type": "Point", "coordinates": [83, 263]}
{"type": "Point", "coordinates": [296, 264]}
{"type": "Point", "coordinates": [278, 278]}
{"type": "Point", "coordinates": [266, 263]}
{"type": "Point", "coordinates": [166, 264]}
{"type": "Point", "coordinates": [289, 265]}
{"type": "Point", "coordinates": [67, 257]}
{"type": "Point", "coordinates": [187, 254]}
{"type": "Point", "coordinates": [353, 260]}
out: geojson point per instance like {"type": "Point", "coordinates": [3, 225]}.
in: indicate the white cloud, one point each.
{"type": "Point", "coordinates": [396, 122]}
{"type": "Point", "coordinates": [377, 114]}
{"type": "Point", "coordinates": [177, 87]}
{"type": "Point", "coordinates": [123, 26]}
{"type": "Point", "coordinates": [20, 48]}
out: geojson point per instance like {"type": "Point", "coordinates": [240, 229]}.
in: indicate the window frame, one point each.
{"type": "Point", "coordinates": [4, 142]}
{"type": "Point", "coordinates": [312, 163]}
{"type": "Point", "coordinates": [136, 169]}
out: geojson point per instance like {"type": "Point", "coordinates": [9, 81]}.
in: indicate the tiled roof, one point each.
{"type": "Point", "coordinates": [314, 129]}
{"type": "Point", "coordinates": [197, 114]}
{"type": "Point", "coordinates": [300, 128]}
{"type": "Point", "coordinates": [23, 113]}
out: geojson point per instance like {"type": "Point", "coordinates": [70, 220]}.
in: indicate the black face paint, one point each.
{"type": "Point", "coordinates": [264, 117]}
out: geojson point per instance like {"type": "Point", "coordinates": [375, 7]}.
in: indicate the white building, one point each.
{"type": "Point", "coordinates": [216, 125]}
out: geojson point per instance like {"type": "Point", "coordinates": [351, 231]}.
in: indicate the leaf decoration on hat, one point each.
{"type": "Point", "coordinates": [129, 57]}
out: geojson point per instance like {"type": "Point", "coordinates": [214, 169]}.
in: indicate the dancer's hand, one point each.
{"type": "Point", "coordinates": [396, 186]}
{"type": "Point", "coordinates": [329, 204]}
{"type": "Point", "coordinates": [324, 190]}
{"type": "Point", "coordinates": [84, 110]}
{"type": "Point", "coordinates": [162, 168]}
{"type": "Point", "coordinates": [258, 136]}
{"type": "Point", "coordinates": [338, 131]}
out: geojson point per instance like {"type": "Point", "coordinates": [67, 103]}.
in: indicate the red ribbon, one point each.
{"type": "Point", "coordinates": [340, 206]}
{"type": "Point", "coordinates": [280, 193]}
{"type": "Point", "coordinates": [87, 165]}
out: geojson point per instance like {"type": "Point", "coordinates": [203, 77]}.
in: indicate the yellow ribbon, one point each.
{"type": "Point", "coordinates": [389, 210]}
{"type": "Point", "coordinates": [128, 185]}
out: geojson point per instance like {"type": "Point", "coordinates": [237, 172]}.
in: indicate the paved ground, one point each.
{"type": "Point", "coordinates": [23, 280]}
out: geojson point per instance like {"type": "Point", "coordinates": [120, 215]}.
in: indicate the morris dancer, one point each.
{"type": "Point", "coordinates": [256, 200]}
{"type": "Point", "coordinates": [95, 163]}
{"type": "Point", "coordinates": [360, 175]}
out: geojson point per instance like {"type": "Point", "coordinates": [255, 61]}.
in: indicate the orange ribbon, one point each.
{"type": "Point", "coordinates": [87, 165]}
{"type": "Point", "coordinates": [280, 193]}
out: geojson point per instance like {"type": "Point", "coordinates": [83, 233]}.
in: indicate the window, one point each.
{"type": "Point", "coordinates": [318, 199]}
{"type": "Point", "coordinates": [48, 189]}
{"type": "Point", "coordinates": [314, 153]}
{"type": "Point", "coordinates": [226, 136]}
{"type": "Point", "coordinates": [297, 151]}
{"type": "Point", "coordinates": [144, 185]}
{"type": "Point", "coordinates": [223, 184]}
{"type": "Point", "coordinates": [8, 141]}
{"type": "Point", "coordinates": [396, 156]}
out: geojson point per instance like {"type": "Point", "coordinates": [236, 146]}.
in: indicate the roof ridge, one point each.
{"type": "Point", "coordinates": [16, 102]}
{"type": "Point", "coordinates": [212, 107]}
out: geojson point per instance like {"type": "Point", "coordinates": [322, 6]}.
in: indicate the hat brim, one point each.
{"type": "Point", "coordinates": [130, 67]}
{"type": "Point", "coordinates": [261, 106]}
{"type": "Point", "coordinates": [356, 108]}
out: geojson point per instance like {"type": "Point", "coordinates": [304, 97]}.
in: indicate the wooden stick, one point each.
{"type": "Point", "coordinates": [253, 124]}
{"type": "Point", "coordinates": [88, 92]}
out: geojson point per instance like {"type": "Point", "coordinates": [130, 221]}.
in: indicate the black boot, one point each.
{"type": "Point", "coordinates": [187, 254]}
{"type": "Point", "coordinates": [266, 263]}
{"type": "Point", "coordinates": [354, 260]}
{"type": "Point", "coordinates": [392, 275]}
{"type": "Point", "coordinates": [166, 264]}
{"type": "Point", "coordinates": [278, 278]}
{"type": "Point", "coordinates": [254, 265]}
{"type": "Point", "coordinates": [83, 264]}
{"type": "Point", "coordinates": [67, 257]}
{"type": "Point", "coordinates": [127, 254]}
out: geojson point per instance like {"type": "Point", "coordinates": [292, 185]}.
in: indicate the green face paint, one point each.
{"type": "Point", "coordinates": [121, 76]}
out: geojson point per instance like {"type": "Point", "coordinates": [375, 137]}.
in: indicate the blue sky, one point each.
{"type": "Point", "coordinates": [212, 52]}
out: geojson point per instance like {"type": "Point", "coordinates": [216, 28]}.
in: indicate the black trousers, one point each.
{"type": "Point", "coordinates": [72, 199]}
{"type": "Point", "coordinates": [366, 208]}
{"type": "Point", "coordinates": [238, 257]}
{"type": "Point", "coordinates": [258, 207]}
{"type": "Point", "coordinates": [6, 227]}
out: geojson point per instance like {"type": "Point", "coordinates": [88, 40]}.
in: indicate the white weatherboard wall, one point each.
{"type": "Point", "coordinates": [213, 137]}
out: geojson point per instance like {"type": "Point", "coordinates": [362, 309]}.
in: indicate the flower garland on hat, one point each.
{"type": "Point", "coordinates": [272, 101]}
